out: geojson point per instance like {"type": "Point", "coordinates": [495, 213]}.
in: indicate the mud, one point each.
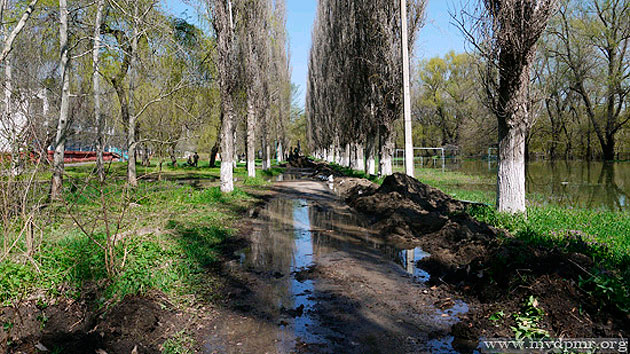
{"type": "Point", "coordinates": [326, 265]}
{"type": "Point", "coordinates": [137, 323]}
{"type": "Point", "coordinates": [316, 278]}
{"type": "Point", "coordinates": [496, 276]}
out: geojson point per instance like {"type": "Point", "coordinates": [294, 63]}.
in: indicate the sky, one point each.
{"type": "Point", "coordinates": [438, 37]}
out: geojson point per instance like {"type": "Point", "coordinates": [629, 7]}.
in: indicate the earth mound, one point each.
{"type": "Point", "coordinates": [492, 270]}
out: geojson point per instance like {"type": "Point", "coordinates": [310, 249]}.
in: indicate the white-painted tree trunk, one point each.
{"type": "Point", "coordinates": [62, 123]}
{"type": "Point", "coordinates": [371, 155]}
{"type": "Point", "coordinates": [331, 154]}
{"type": "Point", "coordinates": [347, 157]}
{"type": "Point", "coordinates": [511, 169]}
{"type": "Point", "coordinates": [385, 154]}
{"type": "Point", "coordinates": [227, 147]}
{"type": "Point", "coordinates": [280, 152]}
{"type": "Point", "coordinates": [251, 139]}
{"type": "Point", "coordinates": [359, 158]}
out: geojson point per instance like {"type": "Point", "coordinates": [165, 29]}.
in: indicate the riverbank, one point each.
{"type": "Point", "coordinates": [169, 231]}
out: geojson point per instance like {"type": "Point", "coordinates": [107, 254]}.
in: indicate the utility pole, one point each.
{"type": "Point", "coordinates": [406, 91]}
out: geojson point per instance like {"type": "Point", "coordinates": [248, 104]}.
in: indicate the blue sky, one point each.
{"type": "Point", "coordinates": [437, 37]}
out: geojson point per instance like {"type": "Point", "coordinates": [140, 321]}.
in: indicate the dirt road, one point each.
{"type": "Point", "coordinates": [314, 279]}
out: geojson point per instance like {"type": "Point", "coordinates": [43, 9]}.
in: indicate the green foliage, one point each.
{"type": "Point", "coordinates": [609, 289]}
{"type": "Point", "coordinates": [193, 223]}
{"type": "Point", "coordinates": [180, 343]}
{"type": "Point", "coordinates": [16, 279]}
{"type": "Point", "coordinates": [528, 321]}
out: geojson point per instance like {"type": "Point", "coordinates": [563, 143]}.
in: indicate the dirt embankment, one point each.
{"type": "Point", "coordinates": [492, 270]}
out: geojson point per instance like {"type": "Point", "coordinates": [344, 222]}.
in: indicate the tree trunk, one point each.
{"type": "Point", "coordinates": [280, 152]}
{"type": "Point", "coordinates": [213, 153]}
{"type": "Point", "coordinates": [132, 177]}
{"type": "Point", "coordinates": [385, 152]}
{"type": "Point", "coordinates": [235, 147]}
{"type": "Point", "coordinates": [266, 151]}
{"type": "Point", "coordinates": [62, 124]}
{"type": "Point", "coordinates": [331, 154]}
{"type": "Point", "coordinates": [96, 83]}
{"type": "Point", "coordinates": [512, 121]}
{"type": "Point", "coordinates": [409, 169]}
{"type": "Point", "coordinates": [12, 126]}
{"type": "Point", "coordinates": [511, 169]}
{"type": "Point", "coordinates": [608, 148]}
{"type": "Point", "coordinates": [227, 146]}
{"type": "Point", "coordinates": [371, 152]}
{"type": "Point", "coordinates": [359, 158]}
{"type": "Point", "coordinates": [250, 140]}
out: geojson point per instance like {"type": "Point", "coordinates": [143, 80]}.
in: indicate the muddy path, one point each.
{"type": "Point", "coordinates": [315, 278]}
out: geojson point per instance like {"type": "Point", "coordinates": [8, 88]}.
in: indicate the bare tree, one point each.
{"type": "Point", "coordinates": [594, 45]}
{"type": "Point", "coordinates": [223, 20]}
{"type": "Point", "coordinates": [62, 123]}
{"type": "Point", "coordinates": [96, 84]}
{"type": "Point", "coordinates": [354, 92]}
{"type": "Point", "coordinates": [506, 32]}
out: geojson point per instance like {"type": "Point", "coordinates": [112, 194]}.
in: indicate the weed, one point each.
{"type": "Point", "coordinates": [528, 321]}
{"type": "Point", "coordinates": [180, 343]}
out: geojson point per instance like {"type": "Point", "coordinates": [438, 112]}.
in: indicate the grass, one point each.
{"type": "Point", "coordinates": [188, 221]}
{"type": "Point", "coordinates": [600, 234]}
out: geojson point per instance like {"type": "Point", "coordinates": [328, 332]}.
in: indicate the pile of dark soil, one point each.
{"type": "Point", "coordinates": [491, 269]}
{"type": "Point", "coordinates": [301, 162]}
{"type": "Point", "coordinates": [136, 324]}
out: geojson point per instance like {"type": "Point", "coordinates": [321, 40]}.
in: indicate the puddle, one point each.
{"type": "Point", "coordinates": [408, 259]}
{"type": "Point", "coordinates": [290, 239]}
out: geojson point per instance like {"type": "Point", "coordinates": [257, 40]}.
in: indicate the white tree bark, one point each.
{"type": "Point", "coordinates": [62, 123]}
{"type": "Point", "coordinates": [280, 152]}
{"type": "Point", "coordinates": [8, 43]}
{"type": "Point", "coordinates": [371, 155]}
{"type": "Point", "coordinates": [251, 138]}
{"type": "Point", "coordinates": [96, 84]}
{"type": "Point", "coordinates": [227, 147]}
{"type": "Point", "coordinates": [406, 92]}
{"type": "Point", "coordinates": [132, 177]}
{"type": "Point", "coordinates": [359, 158]}
{"type": "Point", "coordinates": [331, 154]}
{"type": "Point", "coordinates": [10, 125]}
{"type": "Point", "coordinates": [511, 169]}
{"type": "Point", "coordinates": [385, 154]}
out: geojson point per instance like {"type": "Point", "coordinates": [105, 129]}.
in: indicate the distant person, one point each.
{"type": "Point", "coordinates": [189, 162]}
{"type": "Point", "coordinates": [173, 161]}
{"type": "Point", "coordinates": [195, 159]}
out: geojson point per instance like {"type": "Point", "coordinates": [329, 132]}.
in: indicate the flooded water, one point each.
{"type": "Point", "coordinates": [594, 185]}
{"type": "Point", "coordinates": [297, 247]}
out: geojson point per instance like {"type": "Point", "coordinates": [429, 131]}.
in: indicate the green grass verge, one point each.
{"type": "Point", "coordinates": [188, 221]}
{"type": "Point", "coordinates": [601, 235]}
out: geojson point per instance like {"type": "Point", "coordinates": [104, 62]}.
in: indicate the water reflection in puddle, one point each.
{"type": "Point", "coordinates": [284, 249]}
{"type": "Point", "coordinates": [408, 259]}
{"type": "Point", "coordinates": [291, 236]}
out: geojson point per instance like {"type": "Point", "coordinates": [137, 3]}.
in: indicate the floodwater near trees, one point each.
{"type": "Point", "coordinates": [583, 184]}
{"type": "Point", "coordinates": [314, 278]}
